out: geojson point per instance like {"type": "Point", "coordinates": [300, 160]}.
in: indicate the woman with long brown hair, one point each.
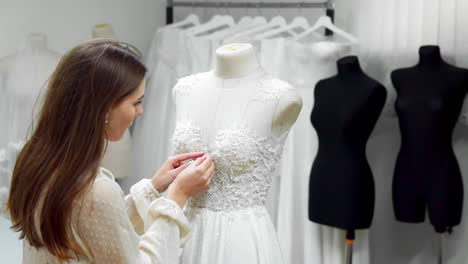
{"type": "Point", "coordinates": [67, 207]}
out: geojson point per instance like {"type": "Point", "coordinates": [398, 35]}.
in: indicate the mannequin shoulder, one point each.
{"type": "Point", "coordinates": [378, 89]}
{"type": "Point", "coordinates": [273, 89]}
{"type": "Point", "coordinates": [192, 78]}
{"type": "Point", "coordinates": [461, 72]}
{"type": "Point", "coordinates": [401, 73]}
{"type": "Point", "coordinates": [185, 84]}
{"type": "Point", "coordinates": [287, 111]}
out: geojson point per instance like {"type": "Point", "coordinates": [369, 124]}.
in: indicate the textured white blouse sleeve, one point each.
{"type": "Point", "coordinates": [107, 225]}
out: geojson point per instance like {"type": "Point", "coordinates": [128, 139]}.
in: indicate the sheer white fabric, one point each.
{"type": "Point", "coordinates": [152, 131]}
{"type": "Point", "coordinates": [8, 157]}
{"type": "Point", "coordinates": [24, 76]}
{"type": "Point", "coordinates": [140, 228]}
{"type": "Point", "coordinates": [230, 223]}
{"type": "Point", "coordinates": [173, 54]}
{"type": "Point", "coordinates": [302, 241]}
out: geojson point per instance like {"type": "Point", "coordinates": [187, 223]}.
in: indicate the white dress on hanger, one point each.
{"type": "Point", "coordinates": [8, 157]}
{"type": "Point", "coordinates": [166, 63]}
{"type": "Point", "coordinates": [23, 82]}
{"type": "Point", "coordinates": [25, 75]}
{"type": "Point", "coordinates": [229, 222]}
{"type": "Point", "coordinates": [303, 241]}
{"type": "Point", "coordinates": [270, 54]}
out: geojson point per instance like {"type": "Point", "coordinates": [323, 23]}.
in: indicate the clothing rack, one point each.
{"type": "Point", "coordinates": [327, 5]}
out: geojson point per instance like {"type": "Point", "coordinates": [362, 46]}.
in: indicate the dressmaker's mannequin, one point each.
{"type": "Point", "coordinates": [430, 97]}
{"type": "Point", "coordinates": [235, 62]}
{"type": "Point", "coordinates": [240, 116]}
{"type": "Point", "coordinates": [117, 157]}
{"type": "Point", "coordinates": [103, 31]}
{"type": "Point", "coordinates": [347, 107]}
{"type": "Point", "coordinates": [24, 83]}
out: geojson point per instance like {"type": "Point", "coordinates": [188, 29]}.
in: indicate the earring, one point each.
{"type": "Point", "coordinates": [107, 121]}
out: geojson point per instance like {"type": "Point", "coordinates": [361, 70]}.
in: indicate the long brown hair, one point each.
{"type": "Point", "coordinates": [61, 159]}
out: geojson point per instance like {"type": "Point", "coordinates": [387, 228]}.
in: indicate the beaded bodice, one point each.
{"type": "Point", "coordinates": [245, 159]}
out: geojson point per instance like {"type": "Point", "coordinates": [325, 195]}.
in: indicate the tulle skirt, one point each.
{"type": "Point", "coordinates": [244, 236]}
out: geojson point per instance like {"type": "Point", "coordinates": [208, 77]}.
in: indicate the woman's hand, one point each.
{"type": "Point", "coordinates": [170, 169]}
{"type": "Point", "coordinates": [194, 179]}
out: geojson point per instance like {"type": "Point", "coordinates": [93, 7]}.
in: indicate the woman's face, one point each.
{"type": "Point", "coordinates": [121, 116]}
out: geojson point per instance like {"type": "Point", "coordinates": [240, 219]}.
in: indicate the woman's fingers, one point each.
{"type": "Point", "coordinates": [205, 164]}
{"type": "Point", "coordinates": [211, 170]}
{"type": "Point", "coordinates": [177, 159]}
{"type": "Point", "coordinates": [200, 160]}
{"type": "Point", "coordinates": [181, 168]}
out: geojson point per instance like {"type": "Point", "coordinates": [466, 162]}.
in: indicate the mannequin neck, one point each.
{"type": "Point", "coordinates": [429, 55]}
{"type": "Point", "coordinates": [103, 31]}
{"type": "Point", "coordinates": [348, 66]}
{"type": "Point", "coordinates": [37, 42]}
{"type": "Point", "coordinates": [235, 60]}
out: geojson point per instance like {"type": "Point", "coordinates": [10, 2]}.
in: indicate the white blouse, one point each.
{"type": "Point", "coordinates": [142, 227]}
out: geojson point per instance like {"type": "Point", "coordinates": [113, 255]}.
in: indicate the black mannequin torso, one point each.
{"type": "Point", "coordinates": [430, 97]}
{"type": "Point", "coordinates": [347, 107]}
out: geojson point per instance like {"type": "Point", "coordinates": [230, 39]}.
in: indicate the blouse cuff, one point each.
{"type": "Point", "coordinates": [143, 193]}
{"type": "Point", "coordinates": [163, 207]}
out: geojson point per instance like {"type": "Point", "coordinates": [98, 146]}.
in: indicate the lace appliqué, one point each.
{"type": "Point", "coordinates": [245, 163]}
{"type": "Point", "coordinates": [187, 138]}
{"type": "Point", "coordinates": [186, 84]}
{"type": "Point", "coordinates": [272, 89]}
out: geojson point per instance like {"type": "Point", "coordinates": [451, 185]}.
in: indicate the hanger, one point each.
{"type": "Point", "coordinates": [259, 19]}
{"type": "Point", "coordinates": [245, 19]}
{"type": "Point", "coordinates": [325, 21]}
{"type": "Point", "coordinates": [274, 23]}
{"type": "Point", "coordinates": [217, 21]}
{"type": "Point", "coordinates": [298, 22]}
{"type": "Point", "coordinates": [190, 19]}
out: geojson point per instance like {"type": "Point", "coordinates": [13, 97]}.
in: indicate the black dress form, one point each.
{"type": "Point", "coordinates": [347, 107]}
{"type": "Point", "coordinates": [430, 97]}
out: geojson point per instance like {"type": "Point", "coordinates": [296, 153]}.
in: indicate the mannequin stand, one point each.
{"type": "Point", "coordinates": [441, 246]}
{"type": "Point", "coordinates": [349, 246]}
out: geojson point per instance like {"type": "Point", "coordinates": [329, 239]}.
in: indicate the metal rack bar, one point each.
{"type": "Point", "coordinates": [328, 5]}
{"type": "Point", "coordinates": [229, 4]}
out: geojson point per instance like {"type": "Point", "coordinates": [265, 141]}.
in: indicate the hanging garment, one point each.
{"type": "Point", "coordinates": [270, 54]}
{"type": "Point", "coordinates": [229, 222]}
{"type": "Point", "coordinates": [150, 147]}
{"type": "Point", "coordinates": [23, 81]}
{"type": "Point", "coordinates": [8, 157]}
{"type": "Point", "coordinates": [301, 240]}
{"type": "Point", "coordinates": [174, 54]}
{"type": "Point", "coordinates": [25, 77]}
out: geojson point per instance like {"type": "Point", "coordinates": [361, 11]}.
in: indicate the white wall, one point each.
{"type": "Point", "coordinates": [66, 22]}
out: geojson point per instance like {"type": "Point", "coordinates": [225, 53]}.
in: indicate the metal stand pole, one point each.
{"type": "Point", "coordinates": [349, 246]}
{"type": "Point", "coordinates": [169, 12]}
{"type": "Point", "coordinates": [441, 246]}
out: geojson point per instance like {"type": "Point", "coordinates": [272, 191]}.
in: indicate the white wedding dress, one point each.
{"type": "Point", "coordinates": [229, 222]}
